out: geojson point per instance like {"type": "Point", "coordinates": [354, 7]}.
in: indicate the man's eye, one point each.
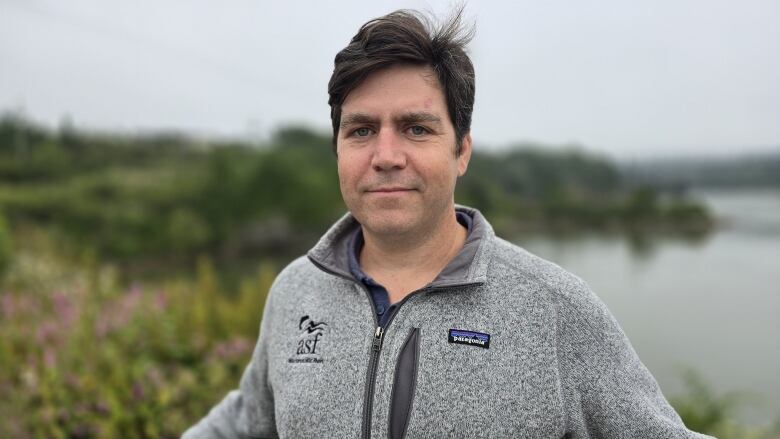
{"type": "Point", "coordinates": [362, 132]}
{"type": "Point", "coordinates": [417, 130]}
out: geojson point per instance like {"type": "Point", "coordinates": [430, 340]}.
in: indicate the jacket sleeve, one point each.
{"type": "Point", "coordinates": [607, 391]}
{"type": "Point", "coordinates": [247, 412]}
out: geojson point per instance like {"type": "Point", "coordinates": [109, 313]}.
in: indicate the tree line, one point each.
{"type": "Point", "coordinates": [171, 197]}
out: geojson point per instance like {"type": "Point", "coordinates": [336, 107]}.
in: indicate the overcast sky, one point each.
{"type": "Point", "coordinates": [629, 79]}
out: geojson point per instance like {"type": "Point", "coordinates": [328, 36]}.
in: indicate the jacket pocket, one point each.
{"type": "Point", "coordinates": [404, 383]}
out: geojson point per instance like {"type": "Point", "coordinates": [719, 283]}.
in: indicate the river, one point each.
{"type": "Point", "coordinates": [710, 304]}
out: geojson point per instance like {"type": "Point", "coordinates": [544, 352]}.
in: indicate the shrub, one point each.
{"type": "Point", "coordinates": [97, 360]}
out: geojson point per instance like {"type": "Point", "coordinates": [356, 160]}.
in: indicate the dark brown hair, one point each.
{"type": "Point", "coordinates": [408, 37]}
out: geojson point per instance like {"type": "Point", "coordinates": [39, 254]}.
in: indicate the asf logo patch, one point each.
{"type": "Point", "coordinates": [310, 335]}
{"type": "Point", "coordinates": [470, 338]}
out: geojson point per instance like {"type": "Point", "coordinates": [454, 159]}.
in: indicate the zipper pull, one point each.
{"type": "Point", "coordinates": [378, 338]}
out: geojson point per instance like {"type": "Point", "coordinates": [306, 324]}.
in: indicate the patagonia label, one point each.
{"type": "Point", "coordinates": [471, 338]}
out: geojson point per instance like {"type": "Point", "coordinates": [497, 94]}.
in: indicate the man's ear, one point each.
{"type": "Point", "coordinates": [465, 155]}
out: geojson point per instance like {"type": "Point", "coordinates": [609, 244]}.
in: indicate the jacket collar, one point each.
{"type": "Point", "coordinates": [331, 254]}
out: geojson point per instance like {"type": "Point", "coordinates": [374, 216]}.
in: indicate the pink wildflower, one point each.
{"type": "Point", "coordinates": [138, 391]}
{"type": "Point", "coordinates": [64, 308]}
{"type": "Point", "coordinates": [8, 305]}
{"type": "Point", "coordinates": [47, 332]}
{"type": "Point", "coordinates": [118, 313]}
{"type": "Point", "coordinates": [49, 357]}
{"type": "Point", "coordinates": [160, 301]}
{"type": "Point", "coordinates": [101, 408]}
{"type": "Point", "coordinates": [232, 349]}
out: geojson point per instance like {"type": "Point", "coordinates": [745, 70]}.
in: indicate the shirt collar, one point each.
{"type": "Point", "coordinates": [336, 252]}
{"type": "Point", "coordinates": [356, 242]}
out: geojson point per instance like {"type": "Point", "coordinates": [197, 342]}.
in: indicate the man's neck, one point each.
{"type": "Point", "coordinates": [405, 265]}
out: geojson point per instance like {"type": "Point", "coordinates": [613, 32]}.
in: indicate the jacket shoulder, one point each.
{"type": "Point", "coordinates": [299, 274]}
{"type": "Point", "coordinates": [547, 282]}
{"type": "Point", "coordinates": [301, 279]}
{"type": "Point", "coordinates": [514, 264]}
{"type": "Point", "coordinates": [300, 266]}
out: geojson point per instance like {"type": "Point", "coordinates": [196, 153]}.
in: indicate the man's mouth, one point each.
{"type": "Point", "coordinates": [389, 190]}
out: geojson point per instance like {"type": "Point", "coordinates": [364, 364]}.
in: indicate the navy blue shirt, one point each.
{"type": "Point", "coordinates": [379, 294]}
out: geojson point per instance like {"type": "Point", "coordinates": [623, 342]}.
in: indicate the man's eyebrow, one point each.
{"type": "Point", "coordinates": [356, 118]}
{"type": "Point", "coordinates": [418, 116]}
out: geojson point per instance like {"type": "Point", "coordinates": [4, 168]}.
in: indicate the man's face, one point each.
{"type": "Point", "coordinates": [396, 152]}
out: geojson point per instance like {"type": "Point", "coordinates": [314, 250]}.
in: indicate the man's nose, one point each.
{"type": "Point", "coordinates": [388, 152]}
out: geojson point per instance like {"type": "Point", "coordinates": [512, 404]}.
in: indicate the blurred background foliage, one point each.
{"type": "Point", "coordinates": [137, 198]}
{"type": "Point", "coordinates": [135, 268]}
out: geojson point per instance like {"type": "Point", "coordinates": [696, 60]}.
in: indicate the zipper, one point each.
{"type": "Point", "coordinates": [368, 399]}
{"type": "Point", "coordinates": [378, 336]}
{"type": "Point", "coordinates": [376, 347]}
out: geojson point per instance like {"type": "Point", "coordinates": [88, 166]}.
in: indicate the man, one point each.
{"type": "Point", "coordinates": [410, 318]}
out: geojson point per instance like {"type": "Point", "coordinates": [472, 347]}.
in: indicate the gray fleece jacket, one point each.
{"type": "Point", "coordinates": [501, 344]}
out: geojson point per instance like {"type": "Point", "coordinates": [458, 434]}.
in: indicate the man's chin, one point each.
{"type": "Point", "coordinates": [388, 225]}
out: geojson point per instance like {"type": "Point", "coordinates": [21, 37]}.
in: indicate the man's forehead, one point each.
{"type": "Point", "coordinates": [395, 106]}
{"type": "Point", "coordinates": [397, 80]}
